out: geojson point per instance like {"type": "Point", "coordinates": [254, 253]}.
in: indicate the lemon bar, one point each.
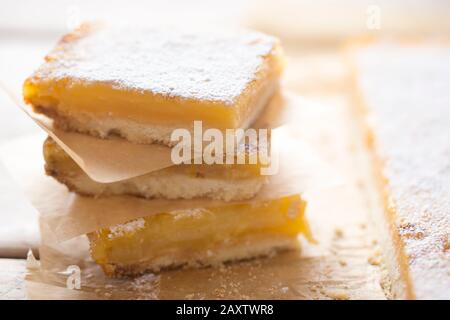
{"type": "Point", "coordinates": [403, 88]}
{"type": "Point", "coordinates": [141, 84]}
{"type": "Point", "coordinates": [186, 181]}
{"type": "Point", "coordinates": [199, 237]}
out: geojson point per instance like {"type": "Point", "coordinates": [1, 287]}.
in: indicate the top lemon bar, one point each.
{"type": "Point", "coordinates": [141, 84]}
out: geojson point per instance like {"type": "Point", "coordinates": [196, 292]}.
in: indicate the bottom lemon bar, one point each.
{"type": "Point", "coordinates": [200, 237]}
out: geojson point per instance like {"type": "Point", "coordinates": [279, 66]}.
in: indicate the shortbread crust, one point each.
{"type": "Point", "coordinates": [221, 182]}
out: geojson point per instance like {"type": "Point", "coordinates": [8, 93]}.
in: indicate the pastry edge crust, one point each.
{"type": "Point", "coordinates": [177, 187]}
{"type": "Point", "coordinates": [393, 249]}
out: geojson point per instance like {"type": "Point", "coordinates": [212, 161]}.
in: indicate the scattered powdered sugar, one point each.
{"type": "Point", "coordinates": [145, 287]}
{"type": "Point", "coordinates": [122, 229]}
{"type": "Point", "coordinates": [207, 66]}
{"type": "Point", "coordinates": [185, 213]}
{"type": "Point", "coordinates": [144, 281]}
{"type": "Point", "coordinates": [284, 290]}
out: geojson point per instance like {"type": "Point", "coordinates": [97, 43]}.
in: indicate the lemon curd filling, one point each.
{"type": "Point", "coordinates": [103, 100]}
{"type": "Point", "coordinates": [198, 235]}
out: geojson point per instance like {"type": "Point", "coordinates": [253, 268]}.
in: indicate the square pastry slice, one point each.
{"type": "Point", "coordinates": [199, 237]}
{"type": "Point", "coordinates": [141, 84]}
{"type": "Point", "coordinates": [404, 88]}
{"type": "Point", "coordinates": [186, 181]}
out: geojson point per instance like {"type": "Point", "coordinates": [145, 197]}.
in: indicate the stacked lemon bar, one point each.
{"type": "Point", "coordinates": [141, 85]}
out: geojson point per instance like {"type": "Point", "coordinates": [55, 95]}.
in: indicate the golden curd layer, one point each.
{"type": "Point", "coordinates": [196, 231]}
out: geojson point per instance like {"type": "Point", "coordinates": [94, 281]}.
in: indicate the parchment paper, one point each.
{"type": "Point", "coordinates": [115, 159]}
{"type": "Point", "coordinates": [18, 219]}
{"type": "Point", "coordinates": [66, 215]}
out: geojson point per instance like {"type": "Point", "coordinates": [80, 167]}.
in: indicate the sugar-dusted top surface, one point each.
{"type": "Point", "coordinates": [214, 66]}
{"type": "Point", "coordinates": [407, 91]}
{"type": "Point", "coordinates": [129, 227]}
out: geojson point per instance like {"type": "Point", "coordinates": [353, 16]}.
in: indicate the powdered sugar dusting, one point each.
{"type": "Point", "coordinates": [189, 213]}
{"type": "Point", "coordinates": [207, 66]}
{"type": "Point", "coordinates": [407, 90]}
{"type": "Point", "coordinates": [122, 229]}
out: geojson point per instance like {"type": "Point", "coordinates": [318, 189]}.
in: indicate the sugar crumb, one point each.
{"type": "Point", "coordinates": [337, 294]}
{"type": "Point", "coordinates": [121, 229]}
{"type": "Point", "coordinates": [338, 233]}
